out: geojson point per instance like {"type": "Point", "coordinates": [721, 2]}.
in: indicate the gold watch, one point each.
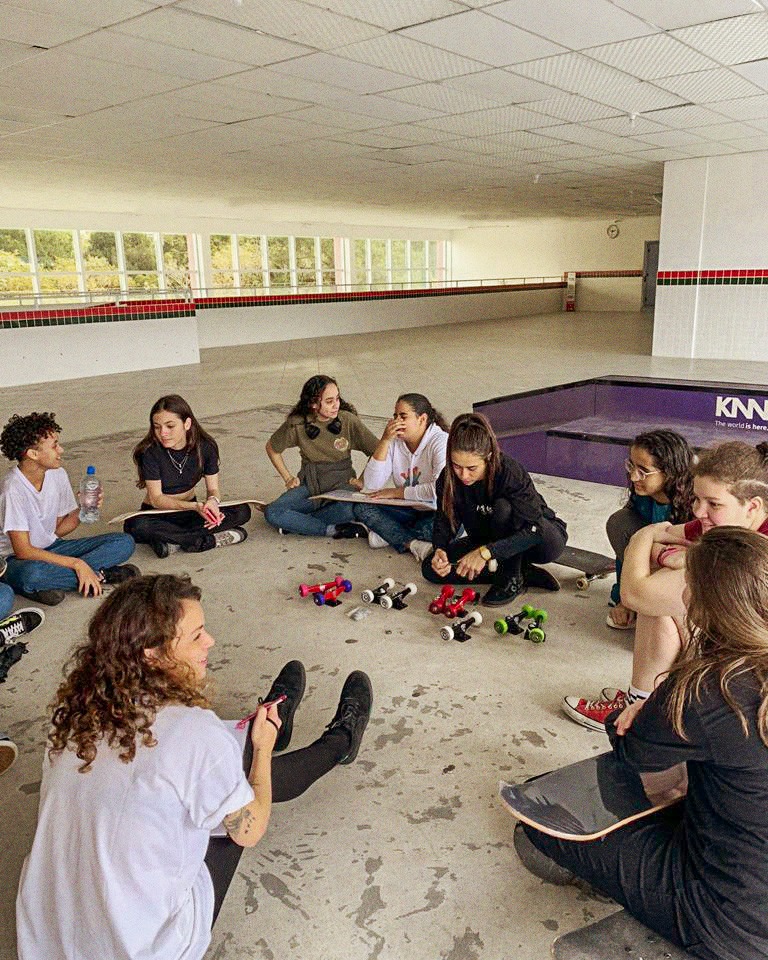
{"type": "Point", "coordinates": [486, 554]}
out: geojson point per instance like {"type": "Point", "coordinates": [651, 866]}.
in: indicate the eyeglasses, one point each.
{"type": "Point", "coordinates": [640, 471]}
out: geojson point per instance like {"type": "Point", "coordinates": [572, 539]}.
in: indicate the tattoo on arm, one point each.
{"type": "Point", "coordinates": [238, 822]}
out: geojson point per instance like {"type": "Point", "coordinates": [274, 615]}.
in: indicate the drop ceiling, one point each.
{"type": "Point", "coordinates": [435, 111]}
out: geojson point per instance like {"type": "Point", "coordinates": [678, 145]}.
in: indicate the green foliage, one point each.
{"type": "Point", "coordinates": [14, 241]}
{"type": "Point", "coordinates": [99, 246]}
{"type": "Point", "coordinates": [140, 254]}
{"type": "Point", "coordinates": [54, 247]}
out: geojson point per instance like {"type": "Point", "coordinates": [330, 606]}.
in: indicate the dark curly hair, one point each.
{"type": "Point", "coordinates": [112, 692]}
{"type": "Point", "coordinates": [21, 433]}
{"type": "Point", "coordinates": [674, 457]}
{"type": "Point", "coordinates": [310, 395]}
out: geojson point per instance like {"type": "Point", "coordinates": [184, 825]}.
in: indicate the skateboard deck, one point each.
{"type": "Point", "coordinates": [357, 496]}
{"type": "Point", "coordinates": [122, 517]}
{"type": "Point", "coordinates": [583, 801]}
{"type": "Point", "coordinates": [592, 566]}
{"type": "Point", "coordinates": [617, 937]}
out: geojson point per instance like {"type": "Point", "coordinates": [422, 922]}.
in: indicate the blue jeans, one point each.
{"type": "Point", "coordinates": [100, 553]}
{"type": "Point", "coordinates": [296, 513]}
{"type": "Point", "coordinates": [397, 525]}
{"type": "Point", "coordinates": [6, 600]}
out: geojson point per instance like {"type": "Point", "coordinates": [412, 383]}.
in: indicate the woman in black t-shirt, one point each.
{"type": "Point", "coordinates": [171, 460]}
{"type": "Point", "coordinates": [507, 525]}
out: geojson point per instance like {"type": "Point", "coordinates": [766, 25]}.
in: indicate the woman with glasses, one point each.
{"type": "Point", "coordinates": [660, 488]}
{"type": "Point", "coordinates": [730, 488]}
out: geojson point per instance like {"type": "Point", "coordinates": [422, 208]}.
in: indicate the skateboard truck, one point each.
{"type": "Point", "coordinates": [514, 624]}
{"type": "Point", "coordinates": [460, 630]}
{"type": "Point", "coordinates": [305, 589]}
{"type": "Point", "coordinates": [397, 599]}
{"type": "Point", "coordinates": [330, 597]}
{"type": "Point", "coordinates": [456, 607]}
{"type": "Point", "coordinates": [379, 594]}
{"type": "Point", "coordinates": [438, 604]}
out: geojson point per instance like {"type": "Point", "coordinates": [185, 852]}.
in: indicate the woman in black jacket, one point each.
{"type": "Point", "coordinates": [506, 525]}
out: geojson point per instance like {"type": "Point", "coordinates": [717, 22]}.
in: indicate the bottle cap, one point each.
{"type": "Point", "coordinates": [90, 470]}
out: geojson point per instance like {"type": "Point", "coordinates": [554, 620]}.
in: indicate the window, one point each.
{"type": "Point", "coordinates": [306, 265]}
{"type": "Point", "coordinates": [56, 263]}
{"type": "Point", "coordinates": [279, 262]}
{"type": "Point", "coordinates": [15, 267]}
{"type": "Point", "coordinates": [176, 261]}
{"type": "Point", "coordinates": [250, 260]}
{"type": "Point", "coordinates": [141, 261]}
{"type": "Point", "coordinates": [221, 261]}
{"type": "Point", "coordinates": [100, 263]}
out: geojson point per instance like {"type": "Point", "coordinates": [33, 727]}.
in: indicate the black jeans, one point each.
{"type": "Point", "coordinates": [635, 866]}
{"type": "Point", "coordinates": [292, 774]}
{"type": "Point", "coordinates": [186, 528]}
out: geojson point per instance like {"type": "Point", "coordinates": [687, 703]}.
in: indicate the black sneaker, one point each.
{"type": "Point", "coordinates": [540, 578]}
{"type": "Point", "coordinates": [19, 624]}
{"type": "Point", "coordinates": [503, 592]}
{"type": "Point", "coordinates": [538, 863]}
{"type": "Point", "coordinates": [163, 549]}
{"type": "Point", "coordinates": [120, 573]}
{"type": "Point", "coordinates": [291, 681]}
{"type": "Point", "coordinates": [48, 597]}
{"type": "Point", "coordinates": [353, 712]}
{"type": "Point", "coordinates": [350, 531]}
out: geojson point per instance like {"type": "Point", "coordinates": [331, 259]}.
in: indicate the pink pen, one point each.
{"type": "Point", "coordinates": [272, 703]}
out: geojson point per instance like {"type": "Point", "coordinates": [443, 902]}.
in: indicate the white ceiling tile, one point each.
{"type": "Point", "coordinates": [439, 97]}
{"type": "Point", "coordinates": [33, 28]}
{"type": "Point", "coordinates": [190, 31]}
{"type": "Point", "coordinates": [709, 85]}
{"type": "Point", "coordinates": [289, 20]}
{"type": "Point", "coordinates": [737, 40]}
{"type": "Point", "coordinates": [484, 122]}
{"type": "Point", "coordinates": [756, 72]}
{"type": "Point", "coordinates": [402, 55]}
{"type": "Point", "coordinates": [485, 38]}
{"type": "Point", "coordinates": [351, 75]}
{"type": "Point", "coordinates": [723, 132]}
{"type": "Point", "coordinates": [94, 13]}
{"type": "Point", "coordinates": [14, 52]}
{"type": "Point", "coordinates": [683, 13]}
{"type": "Point", "coordinates": [394, 14]}
{"type": "Point", "coordinates": [745, 108]}
{"type": "Point", "coordinates": [573, 24]}
{"type": "Point", "coordinates": [627, 126]}
{"type": "Point", "coordinates": [672, 138]}
{"type": "Point", "coordinates": [574, 109]}
{"type": "Point", "coordinates": [503, 87]}
{"type": "Point", "coordinates": [685, 116]}
{"type": "Point", "coordinates": [651, 57]}
{"type": "Point", "coordinates": [749, 144]}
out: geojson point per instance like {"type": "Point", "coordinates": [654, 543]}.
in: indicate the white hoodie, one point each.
{"type": "Point", "coordinates": [416, 472]}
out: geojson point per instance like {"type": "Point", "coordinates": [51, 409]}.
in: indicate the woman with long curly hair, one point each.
{"type": "Point", "coordinates": [139, 771]}
{"type": "Point", "coordinates": [504, 518]}
{"type": "Point", "coordinates": [326, 429]}
{"type": "Point", "coordinates": [660, 488]}
{"type": "Point", "coordinates": [174, 456]}
{"type": "Point", "coordinates": [697, 872]}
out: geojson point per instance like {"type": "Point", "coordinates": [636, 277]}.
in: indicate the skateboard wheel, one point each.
{"type": "Point", "coordinates": [385, 602]}
{"type": "Point", "coordinates": [528, 610]}
{"type": "Point", "coordinates": [388, 583]}
{"type": "Point", "coordinates": [410, 588]}
{"type": "Point", "coordinates": [367, 596]}
{"type": "Point", "coordinates": [476, 617]}
{"type": "Point", "coordinates": [319, 599]}
{"type": "Point", "coordinates": [501, 626]}
{"type": "Point", "coordinates": [345, 585]}
{"type": "Point", "coordinates": [541, 615]}
{"type": "Point", "coordinates": [446, 633]}
{"type": "Point", "coordinates": [582, 583]}
{"type": "Point", "coordinates": [536, 635]}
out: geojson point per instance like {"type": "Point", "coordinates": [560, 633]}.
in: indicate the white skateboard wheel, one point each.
{"type": "Point", "coordinates": [367, 596]}
{"type": "Point", "coordinates": [476, 617]}
{"type": "Point", "coordinates": [410, 588]}
{"type": "Point", "coordinates": [446, 633]}
{"type": "Point", "coordinates": [388, 583]}
{"type": "Point", "coordinates": [385, 602]}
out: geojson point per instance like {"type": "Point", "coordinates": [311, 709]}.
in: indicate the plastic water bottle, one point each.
{"type": "Point", "coordinates": [90, 491]}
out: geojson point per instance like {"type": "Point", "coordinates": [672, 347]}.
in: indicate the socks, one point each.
{"type": "Point", "coordinates": [634, 694]}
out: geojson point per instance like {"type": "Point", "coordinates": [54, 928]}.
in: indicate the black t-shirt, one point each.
{"type": "Point", "coordinates": [719, 857]}
{"type": "Point", "coordinates": [158, 463]}
{"type": "Point", "coordinates": [473, 507]}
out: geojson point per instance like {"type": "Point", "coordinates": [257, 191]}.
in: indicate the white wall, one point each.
{"type": "Point", "coordinates": [41, 354]}
{"type": "Point", "coordinates": [714, 219]}
{"type": "Point", "coordinates": [531, 248]}
{"type": "Point", "coordinates": [233, 326]}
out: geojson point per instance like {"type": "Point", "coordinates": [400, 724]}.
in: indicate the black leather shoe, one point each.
{"type": "Point", "coordinates": [503, 592]}
{"type": "Point", "coordinates": [120, 573]}
{"type": "Point", "coordinates": [291, 681]}
{"type": "Point", "coordinates": [540, 578]}
{"type": "Point", "coordinates": [353, 712]}
{"type": "Point", "coordinates": [350, 531]}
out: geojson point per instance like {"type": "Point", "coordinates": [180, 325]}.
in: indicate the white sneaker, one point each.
{"type": "Point", "coordinates": [226, 538]}
{"type": "Point", "coordinates": [375, 542]}
{"type": "Point", "coordinates": [420, 549]}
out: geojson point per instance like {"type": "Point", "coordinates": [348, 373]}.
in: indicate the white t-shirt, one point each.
{"type": "Point", "coordinates": [36, 511]}
{"type": "Point", "coordinates": [416, 472]}
{"type": "Point", "coordinates": [117, 870]}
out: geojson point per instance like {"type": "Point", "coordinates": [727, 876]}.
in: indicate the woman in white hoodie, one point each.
{"type": "Point", "coordinates": [405, 465]}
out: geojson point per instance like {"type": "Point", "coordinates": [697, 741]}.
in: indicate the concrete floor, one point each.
{"type": "Point", "coordinates": [407, 853]}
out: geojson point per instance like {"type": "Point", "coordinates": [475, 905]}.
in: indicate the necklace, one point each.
{"type": "Point", "coordinates": [179, 466]}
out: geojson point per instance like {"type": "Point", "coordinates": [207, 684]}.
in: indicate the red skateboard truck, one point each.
{"type": "Point", "coordinates": [305, 589]}
{"type": "Point", "coordinates": [438, 604]}
{"type": "Point", "coordinates": [330, 597]}
{"type": "Point", "coordinates": [456, 607]}
{"type": "Point", "coordinates": [460, 630]}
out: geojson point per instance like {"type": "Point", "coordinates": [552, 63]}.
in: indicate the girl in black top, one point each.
{"type": "Point", "coordinates": [697, 872]}
{"type": "Point", "coordinates": [171, 460]}
{"type": "Point", "coordinates": [504, 518]}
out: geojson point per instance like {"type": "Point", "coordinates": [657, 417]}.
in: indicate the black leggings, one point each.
{"type": "Point", "coordinates": [542, 546]}
{"type": "Point", "coordinates": [186, 528]}
{"type": "Point", "coordinates": [292, 774]}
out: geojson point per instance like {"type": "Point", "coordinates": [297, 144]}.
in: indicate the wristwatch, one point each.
{"type": "Point", "coordinates": [486, 554]}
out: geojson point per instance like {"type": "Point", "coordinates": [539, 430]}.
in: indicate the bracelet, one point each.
{"type": "Point", "coordinates": [213, 496]}
{"type": "Point", "coordinates": [270, 720]}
